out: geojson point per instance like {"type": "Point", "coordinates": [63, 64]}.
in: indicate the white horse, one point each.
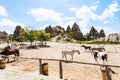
{"type": "Point", "coordinates": [101, 55]}
{"type": "Point", "coordinates": [69, 52]}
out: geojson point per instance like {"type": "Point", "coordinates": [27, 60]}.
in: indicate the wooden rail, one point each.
{"type": "Point", "coordinates": [72, 62]}
{"type": "Point", "coordinates": [66, 61]}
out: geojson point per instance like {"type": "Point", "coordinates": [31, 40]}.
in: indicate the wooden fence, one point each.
{"type": "Point", "coordinates": [108, 77]}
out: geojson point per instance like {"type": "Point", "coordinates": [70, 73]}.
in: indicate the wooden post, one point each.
{"type": "Point", "coordinates": [45, 69]}
{"type": "Point", "coordinates": [104, 74]}
{"type": "Point", "coordinates": [2, 63]}
{"type": "Point", "coordinates": [40, 66]}
{"type": "Point", "coordinates": [61, 70]}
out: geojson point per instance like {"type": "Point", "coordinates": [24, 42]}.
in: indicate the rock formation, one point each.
{"type": "Point", "coordinates": [68, 30]}
{"type": "Point", "coordinates": [17, 34]}
{"type": "Point", "coordinates": [94, 33]}
{"type": "Point", "coordinates": [102, 33]}
{"type": "Point", "coordinates": [3, 36]}
{"type": "Point", "coordinates": [115, 37]}
{"type": "Point", "coordinates": [76, 32]}
{"type": "Point", "coordinates": [54, 31]}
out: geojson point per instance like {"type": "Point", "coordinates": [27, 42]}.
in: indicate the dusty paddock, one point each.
{"type": "Point", "coordinates": [71, 71]}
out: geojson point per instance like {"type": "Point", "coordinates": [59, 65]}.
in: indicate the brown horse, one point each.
{"type": "Point", "coordinates": [98, 49]}
{"type": "Point", "coordinates": [8, 51]}
{"type": "Point", "coordinates": [86, 47]}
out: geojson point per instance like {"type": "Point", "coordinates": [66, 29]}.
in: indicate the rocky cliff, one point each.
{"type": "Point", "coordinates": [115, 37]}
{"type": "Point", "coordinates": [3, 36]}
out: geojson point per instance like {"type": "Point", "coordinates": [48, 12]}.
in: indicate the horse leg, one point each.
{"type": "Point", "coordinates": [72, 58]}
{"type": "Point", "coordinates": [96, 60]}
{"type": "Point", "coordinates": [65, 57]}
{"type": "Point", "coordinates": [15, 57]}
{"type": "Point", "coordinates": [7, 58]}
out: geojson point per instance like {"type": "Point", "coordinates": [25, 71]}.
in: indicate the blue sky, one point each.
{"type": "Point", "coordinates": [102, 14]}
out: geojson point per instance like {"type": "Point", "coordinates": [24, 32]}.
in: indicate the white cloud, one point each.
{"type": "Point", "coordinates": [106, 29]}
{"type": "Point", "coordinates": [109, 12]}
{"type": "Point", "coordinates": [94, 5]}
{"type": "Point", "coordinates": [85, 15]}
{"type": "Point", "coordinates": [105, 22]}
{"type": "Point", "coordinates": [3, 11]}
{"type": "Point", "coordinates": [73, 9]}
{"type": "Point", "coordinates": [42, 14]}
{"type": "Point", "coordinates": [8, 25]}
{"type": "Point", "coordinates": [85, 12]}
{"type": "Point", "coordinates": [84, 26]}
{"type": "Point", "coordinates": [96, 2]}
{"type": "Point", "coordinates": [7, 22]}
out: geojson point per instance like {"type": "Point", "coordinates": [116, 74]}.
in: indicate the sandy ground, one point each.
{"type": "Point", "coordinates": [71, 71]}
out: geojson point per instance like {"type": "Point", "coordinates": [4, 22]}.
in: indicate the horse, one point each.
{"type": "Point", "coordinates": [101, 55]}
{"type": "Point", "coordinates": [8, 51]}
{"type": "Point", "coordinates": [86, 47]}
{"type": "Point", "coordinates": [69, 52]}
{"type": "Point", "coordinates": [98, 49]}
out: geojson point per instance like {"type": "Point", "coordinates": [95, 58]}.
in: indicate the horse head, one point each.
{"type": "Point", "coordinates": [103, 48]}
{"type": "Point", "coordinates": [83, 46]}
{"type": "Point", "coordinates": [76, 51]}
{"type": "Point", "coordinates": [6, 49]}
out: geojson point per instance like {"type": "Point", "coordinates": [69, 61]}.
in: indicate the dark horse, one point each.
{"type": "Point", "coordinates": [86, 47]}
{"type": "Point", "coordinates": [98, 49]}
{"type": "Point", "coordinates": [8, 51]}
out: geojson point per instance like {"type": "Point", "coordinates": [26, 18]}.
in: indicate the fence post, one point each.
{"type": "Point", "coordinates": [104, 73]}
{"type": "Point", "coordinates": [45, 69]}
{"type": "Point", "coordinates": [40, 66]}
{"type": "Point", "coordinates": [61, 70]}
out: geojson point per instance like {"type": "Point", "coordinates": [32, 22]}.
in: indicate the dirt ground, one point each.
{"type": "Point", "coordinates": [71, 71]}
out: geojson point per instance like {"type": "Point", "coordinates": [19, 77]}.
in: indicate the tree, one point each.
{"type": "Point", "coordinates": [43, 36]}
{"type": "Point", "coordinates": [29, 34]}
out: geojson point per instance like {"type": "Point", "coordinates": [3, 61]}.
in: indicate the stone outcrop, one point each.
{"type": "Point", "coordinates": [17, 34]}
{"type": "Point", "coordinates": [115, 37]}
{"type": "Point", "coordinates": [102, 33]}
{"type": "Point", "coordinates": [76, 32]}
{"type": "Point", "coordinates": [3, 36]}
{"type": "Point", "coordinates": [68, 30]}
{"type": "Point", "coordinates": [54, 31]}
{"type": "Point", "coordinates": [94, 33]}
